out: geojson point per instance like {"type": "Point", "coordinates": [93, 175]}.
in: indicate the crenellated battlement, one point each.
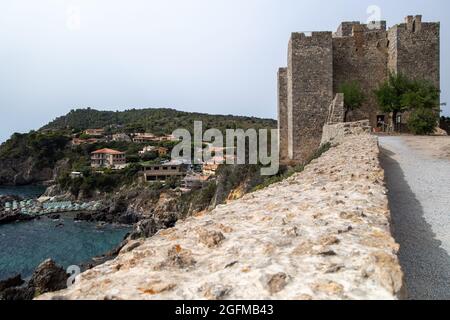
{"type": "Point", "coordinates": [349, 28]}
{"type": "Point", "coordinates": [414, 24]}
{"type": "Point", "coordinates": [312, 37]}
{"type": "Point", "coordinates": [414, 49]}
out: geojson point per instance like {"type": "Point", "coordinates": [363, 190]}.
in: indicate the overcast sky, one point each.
{"type": "Point", "coordinates": [214, 56]}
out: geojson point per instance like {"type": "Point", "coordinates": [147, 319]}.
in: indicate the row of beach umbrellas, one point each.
{"type": "Point", "coordinates": [34, 207]}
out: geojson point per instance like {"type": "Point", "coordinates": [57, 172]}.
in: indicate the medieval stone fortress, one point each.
{"type": "Point", "coordinates": [318, 64]}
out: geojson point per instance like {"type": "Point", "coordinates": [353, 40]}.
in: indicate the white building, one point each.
{"type": "Point", "coordinates": [147, 149]}
{"type": "Point", "coordinates": [121, 137]}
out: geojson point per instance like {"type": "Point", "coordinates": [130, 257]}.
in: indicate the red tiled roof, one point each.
{"type": "Point", "coordinates": [108, 151]}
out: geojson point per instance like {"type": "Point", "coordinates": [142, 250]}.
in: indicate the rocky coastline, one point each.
{"type": "Point", "coordinates": [25, 171]}
{"type": "Point", "coordinates": [14, 216]}
{"type": "Point", "coordinates": [129, 207]}
{"type": "Point", "coordinates": [144, 208]}
{"type": "Point", "coordinates": [47, 277]}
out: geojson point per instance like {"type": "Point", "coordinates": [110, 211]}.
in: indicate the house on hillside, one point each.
{"type": "Point", "coordinates": [76, 174]}
{"type": "Point", "coordinates": [209, 169]}
{"type": "Point", "coordinates": [95, 132]}
{"type": "Point", "coordinates": [147, 149]}
{"type": "Point", "coordinates": [121, 137]}
{"type": "Point", "coordinates": [194, 181]}
{"type": "Point", "coordinates": [78, 141]}
{"type": "Point", "coordinates": [162, 151]}
{"type": "Point", "coordinates": [169, 137]}
{"type": "Point", "coordinates": [161, 172]}
{"type": "Point", "coordinates": [108, 158]}
{"type": "Point", "coordinates": [144, 137]}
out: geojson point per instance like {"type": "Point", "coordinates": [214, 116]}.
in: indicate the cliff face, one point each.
{"type": "Point", "coordinates": [321, 234]}
{"type": "Point", "coordinates": [24, 171]}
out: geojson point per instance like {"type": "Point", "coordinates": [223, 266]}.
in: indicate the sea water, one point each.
{"type": "Point", "coordinates": [26, 192]}
{"type": "Point", "coordinates": [24, 245]}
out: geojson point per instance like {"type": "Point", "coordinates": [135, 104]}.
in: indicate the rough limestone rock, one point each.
{"type": "Point", "coordinates": [48, 277]}
{"type": "Point", "coordinates": [440, 132]}
{"type": "Point", "coordinates": [321, 234]}
{"type": "Point", "coordinates": [15, 281]}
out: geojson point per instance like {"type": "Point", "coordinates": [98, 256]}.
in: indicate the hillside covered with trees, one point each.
{"type": "Point", "coordinates": [156, 121]}
{"type": "Point", "coordinates": [48, 153]}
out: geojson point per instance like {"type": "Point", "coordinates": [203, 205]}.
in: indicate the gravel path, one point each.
{"type": "Point", "coordinates": [419, 196]}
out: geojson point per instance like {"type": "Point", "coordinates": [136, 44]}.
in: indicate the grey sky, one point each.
{"type": "Point", "coordinates": [215, 56]}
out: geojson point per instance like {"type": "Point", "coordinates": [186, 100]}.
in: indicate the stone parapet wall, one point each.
{"type": "Point", "coordinates": [336, 112]}
{"type": "Point", "coordinates": [336, 133]}
{"type": "Point", "coordinates": [283, 132]}
{"type": "Point", "coordinates": [321, 234]}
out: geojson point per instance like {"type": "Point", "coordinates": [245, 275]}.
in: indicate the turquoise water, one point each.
{"type": "Point", "coordinates": [27, 192]}
{"type": "Point", "coordinates": [24, 245]}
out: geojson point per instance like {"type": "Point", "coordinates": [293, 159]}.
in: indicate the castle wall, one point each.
{"type": "Point", "coordinates": [282, 115]}
{"type": "Point", "coordinates": [345, 29]}
{"type": "Point", "coordinates": [392, 49]}
{"type": "Point", "coordinates": [336, 133]}
{"type": "Point", "coordinates": [310, 91]}
{"type": "Point", "coordinates": [415, 50]}
{"type": "Point", "coordinates": [320, 64]}
{"type": "Point", "coordinates": [362, 57]}
{"type": "Point", "coordinates": [336, 113]}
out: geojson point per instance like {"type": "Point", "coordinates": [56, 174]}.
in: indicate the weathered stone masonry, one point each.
{"type": "Point", "coordinates": [309, 83]}
{"type": "Point", "coordinates": [414, 49]}
{"type": "Point", "coordinates": [319, 64]}
{"type": "Point", "coordinates": [282, 113]}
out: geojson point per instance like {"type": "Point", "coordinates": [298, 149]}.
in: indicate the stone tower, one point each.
{"type": "Point", "coordinates": [366, 53]}
{"type": "Point", "coordinates": [414, 49]}
{"type": "Point", "coordinates": [283, 114]}
{"type": "Point", "coordinates": [309, 90]}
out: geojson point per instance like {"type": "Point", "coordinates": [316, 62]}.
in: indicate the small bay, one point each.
{"type": "Point", "coordinates": [24, 245]}
{"type": "Point", "coordinates": [26, 192]}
